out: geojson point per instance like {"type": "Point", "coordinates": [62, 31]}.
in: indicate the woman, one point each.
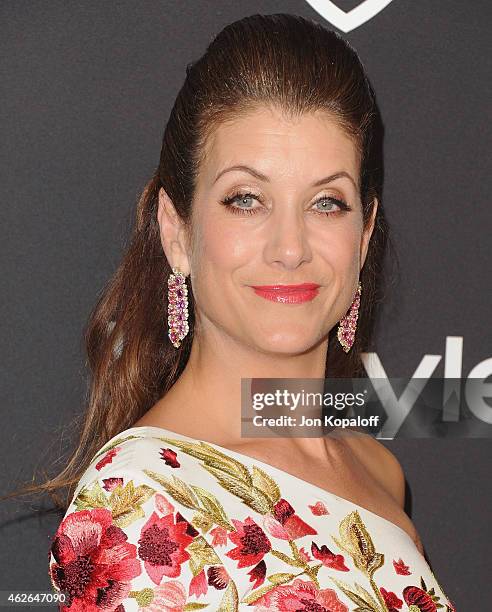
{"type": "Point", "coordinates": [270, 174]}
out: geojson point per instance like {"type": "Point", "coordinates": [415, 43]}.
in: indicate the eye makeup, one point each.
{"type": "Point", "coordinates": [238, 195]}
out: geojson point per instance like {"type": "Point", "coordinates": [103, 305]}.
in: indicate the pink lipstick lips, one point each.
{"type": "Point", "coordinates": [287, 294]}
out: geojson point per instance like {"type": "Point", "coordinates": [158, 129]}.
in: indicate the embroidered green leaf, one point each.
{"type": "Point", "coordinates": [315, 568]}
{"type": "Point", "coordinates": [360, 601]}
{"type": "Point", "coordinates": [281, 578]}
{"type": "Point", "coordinates": [263, 482]}
{"type": "Point", "coordinates": [188, 496]}
{"type": "Point", "coordinates": [135, 495]}
{"type": "Point", "coordinates": [91, 498]}
{"type": "Point", "coordinates": [252, 597]}
{"type": "Point", "coordinates": [201, 554]}
{"type": "Point", "coordinates": [195, 606]}
{"type": "Point", "coordinates": [287, 559]}
{"type": "Point", "coordinates": [232, 475]}
{"type": "Point", "coordinates": [177, 488]}
{"type": "Point", "coordinates": [228, 463]}
{"type": "Point", "coordinates": [230, 600]}
{"type": "Point", "coordinates": [129, 516]}
{"type": "Point", "coordinates": [366, 595]}
{"type": "Point", "coordinates": [144, 597]}
{"type": "Point", "coordinates": [250, 495]}
{"type": "Point", "coordinates": [126, 503]}
{"type": "Point", "coordinates": [202, 522]}
{"type": "Point", "coordinates": [295, 552]}
{"type": "Point", "coordinates": [312, 575]}
{"type": "Point", "coordinates": [213, 506]}
{"type": "Point", "coordinates": [208, 454]}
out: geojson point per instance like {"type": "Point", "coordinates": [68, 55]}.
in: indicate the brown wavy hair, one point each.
{"type": "Point", "coordinates": [287, 62]}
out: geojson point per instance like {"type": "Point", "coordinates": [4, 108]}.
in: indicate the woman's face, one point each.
{"type": "Point", "coordinates": [284, 224]}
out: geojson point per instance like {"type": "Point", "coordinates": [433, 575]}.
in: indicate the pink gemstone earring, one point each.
{"type": "Point", "coordinates": [177, 310]}
{"type": "Point", "coordinates": [348, 323]}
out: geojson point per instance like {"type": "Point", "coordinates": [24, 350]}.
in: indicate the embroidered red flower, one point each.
{"type": "Point", "coordinates": [107, 457]}
{"type": "Point", "coordinates": [198, 584]}
{"type": "Point", "coordinates": [169, 457]}
{"type": "Point", "coordinates": [285, 514]}
{"type": "Point", "coordinates": [169, 596]}
{"type": "Point", "coordinates": [94, 563]}
{"type": "Point", "coordinates": [111, 483]}
{"type": "Point", "coordinates": [190, 530]}
{"type": "Point", "coordinates": [218, 577]}
{"type": "Point", "coordinates": [162, 546]}
{"type": "Point", "coordinates": [163, 504]}
{"type": "Point", "coordinates": [257, 574]}
{"type": "Point", "coordinates": [300, 596]}
{"type": "Point", "coordinates": [414, 596]}
{"type": "Point", "coordinates": [274, 528]}
{"type": "Point", "coordinates": [251, 543]}
{"type": "Point", "coordinates": [304, 555]}
{"type": "Point", "coordinates": [401, 568]}
{"type": "Point", "coordinates": [319, 508]}
{"type": "Point", "coordinates": [329, 558]}
{"type": "Point", "coordinates": [391, 600]}
{"type": "Point", "coordinates": [219, 536]}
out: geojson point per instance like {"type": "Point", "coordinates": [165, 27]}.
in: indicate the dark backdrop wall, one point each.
{"type": "Point", "coordinates": [87, 87]}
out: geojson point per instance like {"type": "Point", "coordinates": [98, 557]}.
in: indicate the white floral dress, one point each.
{"type": "Point", "coordinates": [164, 522]}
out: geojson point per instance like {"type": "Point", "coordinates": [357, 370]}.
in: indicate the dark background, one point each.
{"type": "Point", "coordinates": [86, 91]}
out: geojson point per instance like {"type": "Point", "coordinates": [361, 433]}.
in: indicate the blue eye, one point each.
{"type": "Point", "coordinates": [330, 200]}
{"type": "Point", "coordinates": [242, 197]}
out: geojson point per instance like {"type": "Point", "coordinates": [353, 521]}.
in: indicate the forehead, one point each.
{"type": "Point", "coordinates": [309, 146]}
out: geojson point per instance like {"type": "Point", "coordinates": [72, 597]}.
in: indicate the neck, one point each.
{"type": "Point", "coordinates": [205, 402]}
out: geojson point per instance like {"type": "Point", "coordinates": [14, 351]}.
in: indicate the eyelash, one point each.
{"type": "Point", "coordinates": [239, 195]}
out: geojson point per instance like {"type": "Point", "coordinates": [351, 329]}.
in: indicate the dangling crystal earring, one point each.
{"type": "Point", "coordinates": [177, 310]}
{"type": "Point", "coordinates": [348, 323]}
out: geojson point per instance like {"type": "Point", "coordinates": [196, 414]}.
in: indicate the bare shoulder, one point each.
{"type": "Point", "coordinates": [393, 478]}
{"type": "Point", "coordinates": [383, 465]}
{"type": "Point", "coordinates": [385, 468]}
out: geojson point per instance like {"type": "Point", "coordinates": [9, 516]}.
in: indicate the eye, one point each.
{"type": "Point", "coordinates": [329, 201]}
{"type": "Point", "coordinates": [241, 198]}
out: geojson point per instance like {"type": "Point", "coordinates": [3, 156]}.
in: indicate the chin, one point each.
{"type": "Point", "coordinates": [285, 343]}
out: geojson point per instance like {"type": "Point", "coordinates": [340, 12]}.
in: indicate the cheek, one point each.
{"type": "Point", "coordinates": [222, 246]}
{"type": "Point", "coordinates": [219, 250]}
{"type": "Point", "coordinates": [339, 246]}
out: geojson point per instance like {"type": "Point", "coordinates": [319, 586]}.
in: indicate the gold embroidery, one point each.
{"type": "Point", "coordinates": [201, 554]}
{"type": "Point", "coordinates": [357, 542]}
{"type": "Point", "coordinates": [230, 600]}
{"type": "Point", "coordinates": [191, 497]}
{"type": "Point", "coordinates": [257, 489]}
{"type": "Point", "coordinates": [125, 502]}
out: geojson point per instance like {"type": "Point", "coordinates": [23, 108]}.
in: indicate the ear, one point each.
{"type": "Point", "coordinates": [366, 236]}
{"type": "Point", "coordinates": [173, 234]}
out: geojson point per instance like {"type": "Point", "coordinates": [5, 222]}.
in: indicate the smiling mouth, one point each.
{"type": "Point", "coordinates": [287, 294]}
{"type": "Point", "coordinates": [287, 288]}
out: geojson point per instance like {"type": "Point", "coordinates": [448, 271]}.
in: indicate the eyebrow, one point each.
{"type": "Point", "coordinates": [262, 177]}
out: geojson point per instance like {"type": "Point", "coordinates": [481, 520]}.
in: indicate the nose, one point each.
{"type": "Point", "coordinates": [287, 242]}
